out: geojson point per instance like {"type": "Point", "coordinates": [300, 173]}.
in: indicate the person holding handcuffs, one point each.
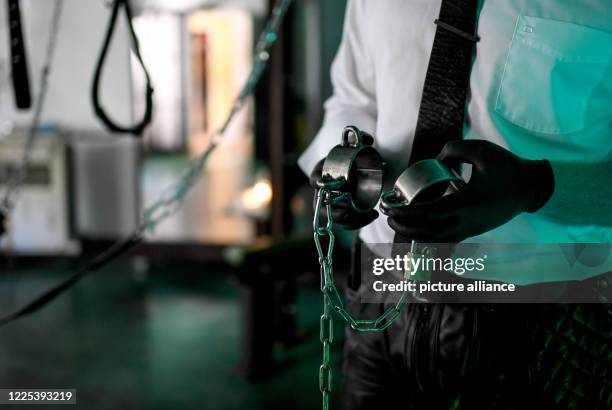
{"type": "Point", "coordinates": [535, 148]}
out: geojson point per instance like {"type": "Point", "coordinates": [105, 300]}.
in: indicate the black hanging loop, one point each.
{"type": "Point", "coordinates": [138, 128]}
{"type": "Point", "coordinates": [19, 65]}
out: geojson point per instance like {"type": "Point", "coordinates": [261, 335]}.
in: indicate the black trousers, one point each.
{"type": "Point", "coordinates": [450, 356]}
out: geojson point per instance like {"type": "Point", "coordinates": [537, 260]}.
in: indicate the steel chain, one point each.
{"type": "Point", "coordinates": [324, 238]}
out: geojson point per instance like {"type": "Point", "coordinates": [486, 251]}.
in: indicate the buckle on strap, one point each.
{"type": "Point", "coordinates": [455, 30]}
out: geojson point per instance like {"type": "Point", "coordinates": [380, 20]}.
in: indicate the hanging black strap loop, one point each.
{"type": "Point", "coordinates": [139, 127]}
{"type": "Point", "coordinates": [19, 71]}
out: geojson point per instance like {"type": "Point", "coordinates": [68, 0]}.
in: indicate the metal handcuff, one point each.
{"type": "Point", "coordinates": [425, 180]}
{"type": "Point", "coordinates": [354, 170]}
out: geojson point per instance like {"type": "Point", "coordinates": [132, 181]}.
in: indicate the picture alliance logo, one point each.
{"type": "Point", "coordinates": [413, 264]}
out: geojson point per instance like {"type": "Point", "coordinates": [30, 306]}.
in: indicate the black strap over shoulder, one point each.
{"type": "Point", "coordinates": [442, 109]}
{"type": "Point", "coordinates": [138, 128]}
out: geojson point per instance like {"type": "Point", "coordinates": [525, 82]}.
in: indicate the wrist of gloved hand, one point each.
{"type": "Point", "coordinates": [343, 213]}
{"type": "Point", "coordinates": [543, 184]}
{"type": "Point", "coordinates": [501, 187]}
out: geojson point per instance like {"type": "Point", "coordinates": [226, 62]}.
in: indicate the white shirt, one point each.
{"type": "Point", "coordinates": [540, 85]}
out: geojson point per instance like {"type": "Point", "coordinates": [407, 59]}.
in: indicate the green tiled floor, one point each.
{"type": "Point", "coordinates": [168, 342]}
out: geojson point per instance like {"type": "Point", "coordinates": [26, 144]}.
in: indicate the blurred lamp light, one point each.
{"type": "Point", "coordinates": [257, 196]}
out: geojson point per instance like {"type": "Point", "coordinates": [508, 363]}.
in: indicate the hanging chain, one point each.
{"type": "Point", "coordinates": [324, 238]}
{"type": "Point", "coordinates": [322, 230]}
{"type": "Point", "coordinates": [17, 175]}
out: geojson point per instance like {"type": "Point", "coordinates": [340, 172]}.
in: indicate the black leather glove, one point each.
{"type": "Point", "coordinates": [343, 214]}
{"type": "Point", "coordinates": [502, 186]}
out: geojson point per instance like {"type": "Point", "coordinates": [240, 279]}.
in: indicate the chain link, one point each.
{"type": "Point", "coordinates": [327, 338]}
{"type": "Point", "coordinates": [324, 239]}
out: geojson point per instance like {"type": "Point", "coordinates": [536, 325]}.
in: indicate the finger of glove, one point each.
{"type": "Point", "coordinates": [412, 214]}
{"type": "Point", "coordinates": [465, 223]}
{"type": "Point", "coordinates": [366, 139]}
{"type": "Point", "coordinates": [350, 219]}
{"type": "Point", "coordinates": [466, 151]}
{"type": "Point", "coordinates": [425, 213]}
{"type": "Point", "coordinates": [422, 233]}
{"type": "Point", "coordinates": [454, 204]}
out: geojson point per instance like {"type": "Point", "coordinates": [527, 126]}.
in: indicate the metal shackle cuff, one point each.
{"type": "Point", "coordinates": [354, 170]}
{"type": "Point", "coordinates": [425, 180]}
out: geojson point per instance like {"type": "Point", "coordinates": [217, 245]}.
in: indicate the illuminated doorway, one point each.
{"type": "Point", "coordinates": [198, 63]}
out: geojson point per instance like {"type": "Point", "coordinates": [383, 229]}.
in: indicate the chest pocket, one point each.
{"type": "Point", "coordinates": [557, 78]}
